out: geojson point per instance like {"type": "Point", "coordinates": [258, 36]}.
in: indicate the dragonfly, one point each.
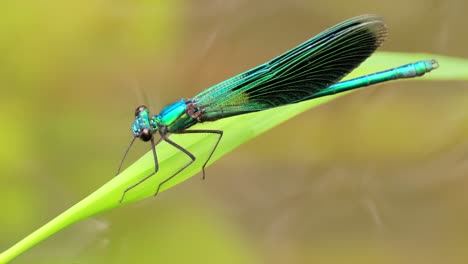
{"type": "Point", "coordinates": [310, 70]}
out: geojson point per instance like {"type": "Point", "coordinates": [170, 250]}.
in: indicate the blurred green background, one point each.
{"type": "Point", "coordinates": [378, 176]}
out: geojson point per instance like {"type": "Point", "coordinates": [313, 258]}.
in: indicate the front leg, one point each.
{"type": "Point", "coordinates": [156, 168]}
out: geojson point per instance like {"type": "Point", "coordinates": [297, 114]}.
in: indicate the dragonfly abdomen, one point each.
{"type": "Point", "coordinates": [406, 71]}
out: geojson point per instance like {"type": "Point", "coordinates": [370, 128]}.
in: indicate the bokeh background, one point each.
{"type": "Point", "coordinates": [377, 176]}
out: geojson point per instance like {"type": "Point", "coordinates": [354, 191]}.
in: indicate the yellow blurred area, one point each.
{"type": "Point", "coordinates": [377, 176]}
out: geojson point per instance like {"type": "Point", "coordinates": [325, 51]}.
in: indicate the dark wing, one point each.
{"type": "Point", "coordinates": [298, 74]}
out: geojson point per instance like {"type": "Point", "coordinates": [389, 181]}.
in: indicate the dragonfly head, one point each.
{"type": "Point", "coordinates": [144, 126]}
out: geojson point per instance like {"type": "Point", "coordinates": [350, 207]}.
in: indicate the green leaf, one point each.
{"type": "Point", "coordinates": [237, 130]}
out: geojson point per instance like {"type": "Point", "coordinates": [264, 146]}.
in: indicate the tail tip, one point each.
{"type": "Point", "coordinates": [434, 64]}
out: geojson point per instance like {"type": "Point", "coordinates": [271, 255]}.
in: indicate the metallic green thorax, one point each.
{"type": "Point", "coordinates": [171, 113]}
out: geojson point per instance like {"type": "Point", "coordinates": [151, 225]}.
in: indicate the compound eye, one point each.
{"type": "Point", "coordinates": [146, 134]}
{"type": "Point", "coordinates": [139, 109]}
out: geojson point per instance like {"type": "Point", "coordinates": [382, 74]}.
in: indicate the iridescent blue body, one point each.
{"type": "Point", "coordinates": [310, 70]}
{"type": "Point", "coordinates": [175, 116]}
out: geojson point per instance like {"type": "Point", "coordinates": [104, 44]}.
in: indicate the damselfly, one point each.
{"type": "Point", "coordinates": [310, 70]}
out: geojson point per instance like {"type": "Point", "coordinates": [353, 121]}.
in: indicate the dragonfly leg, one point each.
{"type": "Point", "coordinates": [205, 131]}
{"type": "Point", "coordinates": [191, 156]}
{"type": "Point", "coordinates": [125, 155]}
{"type": "Point", "coordinates": [156, 168]}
